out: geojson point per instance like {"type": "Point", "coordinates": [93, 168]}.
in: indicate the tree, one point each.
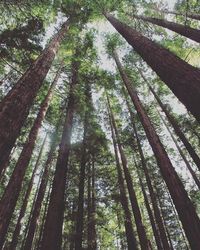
{"type": "Point", "coordinates": [161, 60]}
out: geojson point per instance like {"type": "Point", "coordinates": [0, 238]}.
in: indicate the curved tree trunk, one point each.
{"type": "Point", "coordinates": [182, 78]}
{"type": "Point", "coordinates": [11, 194]}
{"type": "Point", "coordinates": [15, 107]}
{"type": "Point", "coordinates": [16, 233]}
{"type": "Point", "coordinates": [41, 192]}
{"type": "Point", "coordinates": [134, 203]}
{"type": "Point", "coordinates": [183, 204]}
{"type": "Point", "coordinates": [52, 235]}
{"type": "Point", "coordinates": [131, 241]}
{"type": "Point", "coordinates": [181, 29]}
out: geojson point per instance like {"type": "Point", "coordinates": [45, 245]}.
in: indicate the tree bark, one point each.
{"type": "Point", "coordinates": [183, 204]}
{"type": "Point", "coordinates": [134, 203]}
{"type": "Point", "coordinates": [180, 77]}
{"type": "Point", "coordinates": [190, 15]}
{"type": "Point", "coordinates": [131, 241]}
{"type": "Point", "coordinates": [182, 154]}
{"type": "Point", "coordinates": [11, 194]}
{"type": "Point", "coordinates": [84, 158]}
{"type": "Point", "coordinates": [177, 130]}
{"type": "Point", "coordinates": [41, 192]}
{"type": "Point", "coordinates": [15, 107]}
{"type": "Point", "coordinates": [16, 233]}
{"type": "Point", "coordinates": [52, 236]}
{"type": "Point", "coordinates": [181, 29]}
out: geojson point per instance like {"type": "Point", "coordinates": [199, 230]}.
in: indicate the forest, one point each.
{"type": "Point", "coordinates": [99, 124]}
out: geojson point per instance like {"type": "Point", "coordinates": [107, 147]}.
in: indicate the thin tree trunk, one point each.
{"type": "Point", "coordinates": [16, 233]}
{"type": "Point", "coordinates": [190, 15]}
{"type": "Point", "coordinates": [180, 77]}
{"type": "Point", "coordinates": [92, 242]}
{"type": "Point", "coordinates": [15, 107]}
{"type": "Point", "coordinates": [183, 204]}
{"type": "Point", "coordinates": [40, 196]}
{"type": "Point", "coordinates": [80, 211]}
{"type": "Point", "coordinates": [182, 154]}
{"type": "Point", "coordinates": [151, 217]}
{"type": "Point", "coordinates": [10, 196]}
{"type": "Point", "coordinates": [134, 203]}
{"type": "Point", "coordinates": [181, 29]}
{"type": "Point", "coordinates": [43, 219]}
{"type": "Point", "coordinates": [177, 130]}
{"type": "Point", "coordinates": [52, 236]}
{"type": "Point", "coordinates": [131, 241]}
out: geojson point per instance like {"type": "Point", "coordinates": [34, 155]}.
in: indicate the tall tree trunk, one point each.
{"type": "Point", "coordinates": [183, 204]}
{"type": "Point", "coordinates": [177, 130]}
{"type": "Point", "coordinates": [11, 194]}
{"type": "Point", "coordinates": [52, 236]}
{"type": "Point", "coordinates": [131, 241]}
{"type": "Point", "coordinates": [180, 77]}
{"type": "Point", "coordinates": [151, 216]}
{"type": "Point", "coordinates": [190, 15]}
{"type": "Point", "coordinates": [182, 154]}
{"type": "Point", "coordinates": [41, 192]}
{"type": "Point", "coordinates": [181, 29]}
{"type": "Point", "coordinates": [15, 107]}
{"type": "Point", "coordinates": [134, 203]}
{"type": "Point", "coordinates": [16, 233]}
{"type": "Point", "coordinates": [80, 211]}
{"type": "Point", "coordinates": [43, 219]}
{"type": "Point", "coordinates": [91, 228]}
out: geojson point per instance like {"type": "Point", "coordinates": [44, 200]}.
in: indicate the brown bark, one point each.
{"type": "Point", "coordinates": [52, 236]}
{"type": "Point", "coordinates": [183, 204]}
{"type": "Point", "coordinates": [43, 219]}
{"type": "Point", "coordinates": [11, 194]}
{"type": "Point", "coordinates": [190, 15]}
{"type": "Point", "coordinates": [181, 29]}
{"type": "Point", "coordinates": [182, 154]}
{"type": "Point", "coordinates": [180, 77]}
{"type": "Point", "coordinates": [15, 107]}
{"type": "Point", "coordinates": [25, 201]}
{"type": "Point", "coordinates": [92, 241]}
{"type": "Point", "coordinates": [131, 241]}
{"type": "Point", "coordinates": [177, 130]}
{"type": "Point", "coordinates": [84, 158]}
{"type": "Point", "coordinates": [134, 203]}
{"type": "Point", "coordinates": [151, 217]}
{"type": "Point", "coordinates": [41, 192]}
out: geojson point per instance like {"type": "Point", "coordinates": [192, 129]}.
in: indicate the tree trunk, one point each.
{"type": "Point", "coordinates": [177, 130]}
{"type": "Point", "coordinates": [134, 203]}
{"type": "Point", "coordinates": [41, 192]}
{"type": "Point", "coordinates": [43, 219]}
{"type": "Point", "coordinates": [180, 77]}
{"type": "Point", "coordinates": [92, 242]}
{"type": "Point", "coordinates": [11, 194]}
{"type": "Point", "coordinates": [131, 241]}
{"type": "Point", "coordinates": [15, 107]}
{"type": "Point", "coordinates": [16, 233]}
{"type": "Point", "coordinates": [80, 211]}
{"type": "Point", "coordinates": [52, 236]}
{"type": "Point", "coordinates": [181, 29]}
{"type": "Point", "coordinates": [183, 204]}
{"type": "Point", "coordinates": [182, 154]}
{"type": "Point", "coordinates": [151, 216]}
{"type": "Point", "coordinates": [190, 15]}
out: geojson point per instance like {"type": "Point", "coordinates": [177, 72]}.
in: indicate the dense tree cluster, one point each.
{"type": "Point", "coordinates": [99, 125]}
